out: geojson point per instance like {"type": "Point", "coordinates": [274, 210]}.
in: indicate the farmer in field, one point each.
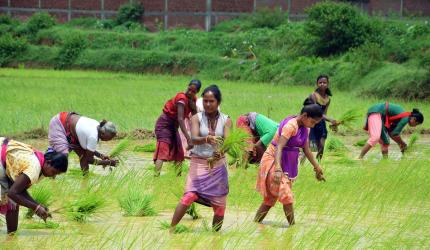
{"type": "Point", "coordinates": [175, 111]}
{"type": "Point", "coordinates": [207, 183]}
{"type": "Point", "coordinates": [262, 130]}
{"type": "Point", "coordinates": [20, 167]}
{"type": "Point", "coordinates": [279, 165]}
{"type": "Point", "coordinates": [320, 96]}
{"type": "Point", "coordinates": [385, 121]}
{"type": "Point", "coordinates": [70, 131]}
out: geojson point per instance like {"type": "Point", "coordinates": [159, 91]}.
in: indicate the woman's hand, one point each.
{"type": "Point", "coordinates": [213, 140]}
{"type": "Point", "coordinates": [319, 173]}
{"type": "Point", "coordinates": [42, 212]}
{"type": "Point", "coordinates": [190, 144]}
{"type": "Point", "coordinates": [403, 147]}
{"type": "Point", "coordinates": [277, 176]}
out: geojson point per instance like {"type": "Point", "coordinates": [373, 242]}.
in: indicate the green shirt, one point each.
{"type": "Point", "coordinates": [397, 126]}
{"type": "Point", "coordinates": [265, 128]}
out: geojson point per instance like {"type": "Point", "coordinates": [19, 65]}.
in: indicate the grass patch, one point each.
{"type": "Point", "coordinates": [41, 225]}
{"type": "Point", "coordinates": [136, 203]}
{"type": "Point", "coordinates": [164, 225]}
{"type": "Point", "coordinates": [149, 148]}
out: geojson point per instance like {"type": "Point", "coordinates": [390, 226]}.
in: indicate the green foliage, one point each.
{"type": "Point", "coordinates": [178, 229]}
{"type": "Point", "coordinates": [70, 51]}
{"type": "Point", "coordinates": [120, 147]}
{"type": "Point", "coordinates": [268, 18]}
{"type": "Point", "coordinates": [132, 12]}
{"type": "Point", "coordinates": [39, 21]}
{"type": "Point", "coordinates": [41, 225]}
{"type": "Point", "coordinates": [86, 205]}
{"type": "Point", "coordinates": [334, 144]}
{"type": "Point", "coordinates": [337, 27]}
{"type": "Point", "coordinates": [11, 48]}
{"type": "Point", "coordinates": [150, 147]}
{"type": "Point", "coordinates": [192, 211]}
{"type": "Point", "coordinates": [42, 194]}
{"type": "Point", "coordinates": [136, 203]}
{"type": "Point", "coordinates": [350, 117]}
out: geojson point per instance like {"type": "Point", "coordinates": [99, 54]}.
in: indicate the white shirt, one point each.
{"type": "Point", "coordinates": [86, 130]}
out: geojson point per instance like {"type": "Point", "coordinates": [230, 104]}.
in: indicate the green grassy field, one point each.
{"type": "Point", "coordinates": [30, 98]}
{"type": "Point", "coordinates": [363, 204]}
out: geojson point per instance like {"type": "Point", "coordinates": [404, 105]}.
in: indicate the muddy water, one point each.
{"type": "Point", "coordinates": [112, 222]}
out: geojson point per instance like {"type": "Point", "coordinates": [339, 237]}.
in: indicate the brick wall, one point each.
{"type": "Point", "coordinates": [190, 13]}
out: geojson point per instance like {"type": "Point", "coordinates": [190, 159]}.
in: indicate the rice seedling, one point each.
{"type": "Point", "coordinates": [119, 149]}
{"type": "Point", "coordinates": [192, 209]}
{"type": "Point", "coordinates": [150, 147]}
{"type": "Point", "coordinates": [178, 229]}
{"type": "Point", "coordinates": [334, 144]}
{"type": "Point", "coordinates": [360, 143]}
{"type": "Point", "coordinates": [234, 145]}
{"type": "Point", "coordinates": [135, 203]}
{"type": "Point", "coordinates": [86, 205]}
{"type": "Point", "coordinates": [41, 225]}
{"type": "Point", "coordinates": [348, 119]}
{"type": "Point", "coordinates": [42, 194]}
{"type": "Point", "coordinates": [413, 140]}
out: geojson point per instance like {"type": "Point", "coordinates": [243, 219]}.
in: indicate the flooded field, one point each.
{"type": "Point", "coordinates": [370, 203]}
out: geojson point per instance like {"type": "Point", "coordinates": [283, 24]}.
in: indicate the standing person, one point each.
{"type": "Point", "coordinates": [385, 120]}
{"type": "Point", "coordinates": [261, 128]}
{"type": "Point", "coordinates": [320, 96]}
{"type": "Point", "coordinates": [69, 131]}
{"type": "Point", "coordinates": [187, 122]}
{"type": "Point", "coordinates": [205, 184]}
{"type": "Point", "coordinates": [279, 165]}
{"type": "Point", "coordinates": [20, 167]}
{"type": "Point", "coordinates": [169, 146]}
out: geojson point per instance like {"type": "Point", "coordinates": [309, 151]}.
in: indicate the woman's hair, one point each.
{"type": "Point", "coordinates": [418, 115]}
{"type": "Point", "coordinates": [57, 160]}
{"type": "Point", "coordinates": [328, 91]}
{"type": "Point", "coordinates": [107, 127]}
{"type": "Point", "coordinates": [215, 91]}
{"type": "Point", "coordinates": [196, 83]}
{"type": "Point", "coordinates": [313, 111]}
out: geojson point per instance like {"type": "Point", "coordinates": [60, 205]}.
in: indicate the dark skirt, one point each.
{"type": "Point", "coordinates": [169, 146]}
{"type": "Point", "coordinates": [318, 132]}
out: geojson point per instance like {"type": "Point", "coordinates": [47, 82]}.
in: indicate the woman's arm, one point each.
{"type": "Point", "coordinates": [327, 118]}
{"type": "Point", "coordinates": [181, 110]}
{"type": "Point", "coordinates": [311, 158]}
{"type": "Point", "coordinates": [227, 127]}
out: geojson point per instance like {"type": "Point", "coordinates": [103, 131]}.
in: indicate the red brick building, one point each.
{"type": "Point", "coordinates": [201, 14]}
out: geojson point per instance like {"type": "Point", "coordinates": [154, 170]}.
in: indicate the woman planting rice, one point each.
{"type": "Point", "coordinates": [321, 96]}
{"type": "Point", "coordinates": [207, 183]}
{"type": "Point", "coordinates": [385, 120]}
{"type": "Point", "coordinates": [278, 167]}
{"type": "Point", "coordinates": [261, 128]}
{"type": "Point", "coordinates": [70, 131]}
{"type": "Point", "coordinates": [169, 146]}
{"type": "Point", "coordinates": [21, 167]}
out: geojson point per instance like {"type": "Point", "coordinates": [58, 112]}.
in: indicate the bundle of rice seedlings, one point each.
{"type": "Point", "coordinates": [178, 229]}
{"type": "Point", "coordinates": [136, 203]}
{"type": "Point", "coordinates": [150, 147]}
{"type": "Point", "coordinates": [348, 119]}
{"type": "Point", "coordinates": [235, 145]}
{"type": "Point", "coordinates": [41, 225]}
{"type": "Point", "coordinates": [412, 141]}
{"type": "Point", "coordinates": [119, 149]}
{"type": "Point", "coordinates": [42, 195]}
{"type": "Point", "coordinates": [335, 145]}
{"type": "Point", "coordinates": [361, 143]}
{"type": "Point", "coordinates": [85, 206]}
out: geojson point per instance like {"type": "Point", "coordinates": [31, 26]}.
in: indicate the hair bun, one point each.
{"type": "Point", "coordinates": [415, 110]}
{"type": "Point", "coordinates": [103, 122]}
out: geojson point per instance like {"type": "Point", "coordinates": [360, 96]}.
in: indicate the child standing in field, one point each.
{"type": "Point", "coordinates": [321, 97]}
{"type": "Point", "coordinates": [175, 111]}
{"type": "Point", "coordinates": [279, 165]}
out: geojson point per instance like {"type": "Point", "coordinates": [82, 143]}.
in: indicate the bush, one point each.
{"type": "Point", "coordinates": [39, 21]}
{"type": "Point", "coordinates": [10, 48]}
{"type": "Point", "coordinates": [71, 49]}
{"type": "Point", "coordinates": [84, 22]}
{"type": "Point", "coordinates": [268, 18]}
{"type": "Point", "coordinates": [132, 12]}
{"type": "Point", "coordinates": [337, 27]}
